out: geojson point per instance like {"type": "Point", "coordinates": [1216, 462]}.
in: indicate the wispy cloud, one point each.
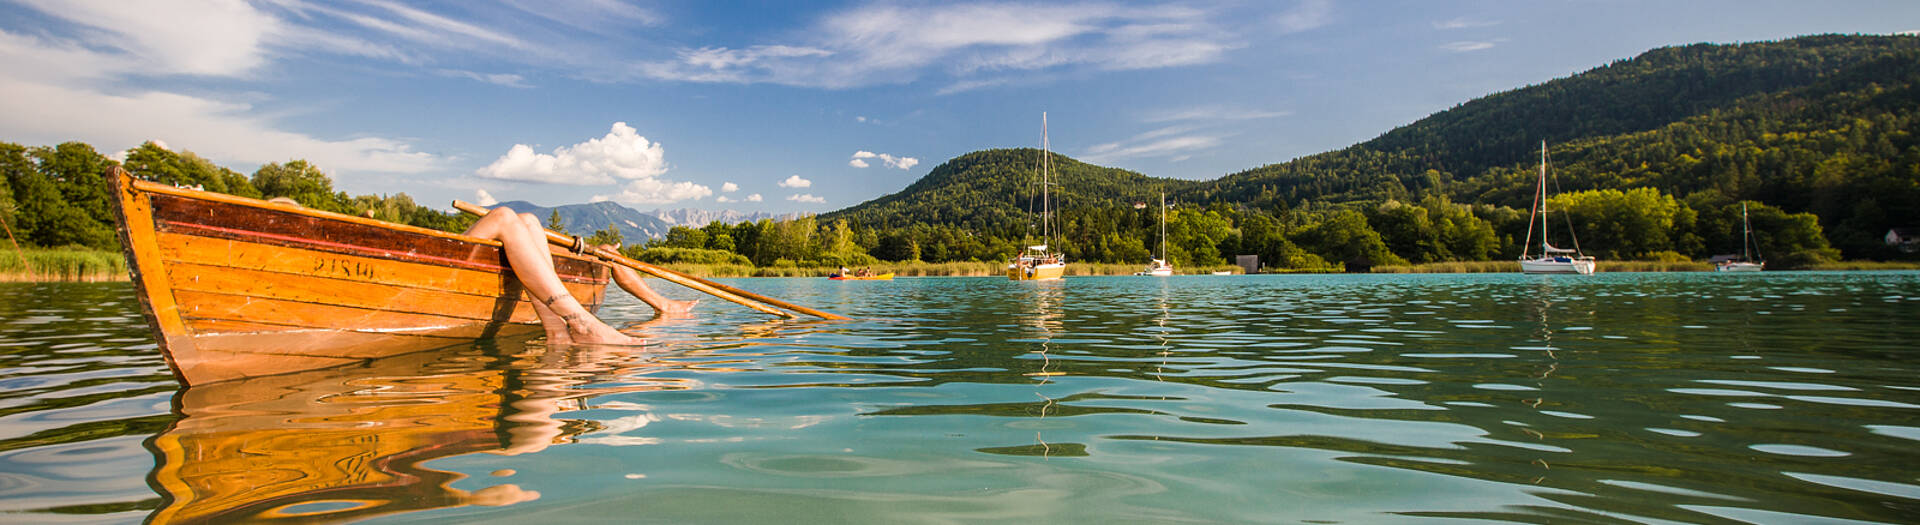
{"type": "Point", "coordinates": [1463, 23]}
{"type": "Point", "coordinates": [1214, 113]}
{"type": "Point", "coordinates": [807, 198]}
{"type": "Point", "coordinates": [890, 43]}
{"type": "Point", "coordinates": [498, 79]}
{"type": "Point", "coordinates": [1468, 46]}
{"type": "Point", "coordinates": [1305, 16]}
{"type": "Point", "coordinates": [1173, 143]}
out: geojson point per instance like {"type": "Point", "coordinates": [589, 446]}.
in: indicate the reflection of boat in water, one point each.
{"type": "Point", "coordinates": [881, 277]}
{"type": "Point", "coordinates": [238, 287]}
{"type": "Point", "coordinates": [1551, 259]}
{"type": "Point", "coordinates": [1745, 263]}
{"type": "Point", "coordinates": [1036, 263]}
{"type": "Point", "coordinates": [353, 442]}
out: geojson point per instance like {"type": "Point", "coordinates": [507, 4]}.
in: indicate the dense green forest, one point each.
{"type": "Point", "coordinates": [1650, 157]}
{"type": "Point", "coordinates": [56, 196]}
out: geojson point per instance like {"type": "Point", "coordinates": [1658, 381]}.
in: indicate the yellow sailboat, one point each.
{"type": "Point", "coordinates": [1037, 263]}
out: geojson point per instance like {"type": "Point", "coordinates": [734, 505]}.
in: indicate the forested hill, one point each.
{"type": "Point", "coordinates": [1821, 124]}
{"type": "Point", "coordinates": [996, 190]}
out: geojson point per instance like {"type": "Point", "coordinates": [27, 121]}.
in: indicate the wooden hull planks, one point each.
{"type": "Point", "coordinates": [238, 287]}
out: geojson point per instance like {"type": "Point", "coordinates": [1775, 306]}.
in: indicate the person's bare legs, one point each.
{"type": "Point", "coordinates": [525, 244]}
{"type": "Point", "coordinates": [630, 281]}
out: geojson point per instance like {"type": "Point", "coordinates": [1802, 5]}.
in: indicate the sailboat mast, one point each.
{"type": "Point", "coordinates": [1542, 199]}
{"type": "Point", "coordinates": [1046, 166]}
{"type": "Point", "coordinates": [1163, 226]}
{"type": "Point", "coordinates": [1746, 232]}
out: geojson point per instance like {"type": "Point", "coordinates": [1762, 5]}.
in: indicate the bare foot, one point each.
{"type": "Point", "coordinates": [672, 308]}
{"type": "Point", "coordinates": [588, 330]}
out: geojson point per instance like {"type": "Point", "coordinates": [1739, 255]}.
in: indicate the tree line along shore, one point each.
{"type": "Point", "coordinates": [1653, 157]}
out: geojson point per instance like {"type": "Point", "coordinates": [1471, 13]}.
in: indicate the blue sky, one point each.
{"type": "Point", "coordinates": [798, 106]}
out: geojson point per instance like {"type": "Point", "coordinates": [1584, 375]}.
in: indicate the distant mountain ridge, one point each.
{"type": "Point", "coordinates": [1823, 124]}
{"type": "Point", "coordinates": [695, 218]}
{"type": "Point", "coordinates": [635, 225]}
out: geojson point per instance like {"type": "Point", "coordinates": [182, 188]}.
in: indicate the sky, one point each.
{"type": "Point", "coordinates": [809, 107]}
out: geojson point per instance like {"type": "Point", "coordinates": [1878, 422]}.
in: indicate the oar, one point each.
{"type": "Point", "coordinates": [729, 293]}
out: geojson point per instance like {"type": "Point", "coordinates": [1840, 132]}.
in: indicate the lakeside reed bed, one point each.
{"type": "Point", "coordinates": [62, 264]}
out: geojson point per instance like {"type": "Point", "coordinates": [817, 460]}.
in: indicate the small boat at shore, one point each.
{"type": "Point", "coordinates": [1552, 260]}
{"type": "Point", "coordinates": [880, 277]}
{"type": "Point", "coordinates": [236, 287]}
{"type": "Point", "coordinates": [1749, 252]}
{"type": "Point", "coordinates": [1160, 267]}
{"type": "Point", "coordinates": [1037, 263]}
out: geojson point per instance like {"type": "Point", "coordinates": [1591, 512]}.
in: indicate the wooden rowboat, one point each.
{"type": "Point", "coordinates": [236, 287]}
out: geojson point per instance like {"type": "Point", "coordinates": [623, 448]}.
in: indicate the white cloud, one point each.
{"type": "Point", "coordinates": [1170, 143]}
{"type": "Point", "coordinates": [729, 187]}
{"type": "Point", "coordinates": [1466, 46]}
{"type": "Point", "coordinates": [806, 197]}
{"type": "Point", "coordinates": [498, 79]}
{"type": "Point", "coordinates": [859, 160]}
{"type": "Point", "coordinates": [722, 199]}
{"type": "Point", "coordinates": [195, 38]}
{"type": "Point", "coordinates": [1464, 23]}
{"type": "Point", "coordinates": [656, 191]}
{"type": "Point", "coordinates": [620, 155]}
{"type": "Point", "coordinates": [1306, 16]}
{"type": "Point", "coordinates": [795, 182]}
{"type": "Point", "coordinates": [60, 88]}
{"type": "Point", "coordinates": [753, 198]}
{"type": "Point", "coordinates": [892, 44]}
{"type": "Point", "coordinates": [481, 197]}
{"type": "Point", "coordinates": [1215, 113]}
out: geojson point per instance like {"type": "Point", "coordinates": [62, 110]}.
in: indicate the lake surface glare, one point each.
{"type": "Point", "coordinates": [1653, 398]}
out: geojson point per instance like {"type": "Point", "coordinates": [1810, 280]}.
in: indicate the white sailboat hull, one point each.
{"type": "Point", "coordinates": [1558, 265]}
{"type": "Point", "coordinates": [1738, 267]}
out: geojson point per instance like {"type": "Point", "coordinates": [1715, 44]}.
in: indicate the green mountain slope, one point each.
{"type": "Point", "coordinates": [1822, 125]}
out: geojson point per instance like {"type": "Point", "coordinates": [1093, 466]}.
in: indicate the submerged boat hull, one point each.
{"type": "Point", "coordinates": [236, 287]}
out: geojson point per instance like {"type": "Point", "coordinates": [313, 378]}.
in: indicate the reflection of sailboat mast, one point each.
{"type": "Point", "coordinates": [1544, 302]}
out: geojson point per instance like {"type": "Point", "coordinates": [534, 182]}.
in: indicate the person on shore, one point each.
{"type": "Point", "coordinates": [565, 319]}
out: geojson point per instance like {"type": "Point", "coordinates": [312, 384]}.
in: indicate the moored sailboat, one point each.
{"type": "Point", "coordinates": [1552, 259]}
{"type": "Point", "coordinates": [1746, 262]}
{"type": "Point", "coordinates": [1160, 267]}
{"type": "Point", "coordinates": [1037, 262]}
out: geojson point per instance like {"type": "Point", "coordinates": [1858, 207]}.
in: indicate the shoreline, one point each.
{"type": "Point", "coordinates": [1103, 270]}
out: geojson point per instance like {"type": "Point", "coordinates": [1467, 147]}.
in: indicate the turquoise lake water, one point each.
{"type": "Point", "coordinates": [1690, 397]}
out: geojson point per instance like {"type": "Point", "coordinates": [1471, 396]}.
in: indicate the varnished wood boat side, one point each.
{"type": "Point", "coordinates": [230, 284]}
{"type": "Point", "coordinates": [135, 211]}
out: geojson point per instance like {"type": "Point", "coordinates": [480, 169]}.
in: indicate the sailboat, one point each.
{"type": "Point", "coordinates": [1551, 259]}
{"type": "Point", "coordinates": [1744, 263]}
{"type": "Point", "coordinates": [1036, 263]}
{"type": "Point", "coordinates": [1160, 266]}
